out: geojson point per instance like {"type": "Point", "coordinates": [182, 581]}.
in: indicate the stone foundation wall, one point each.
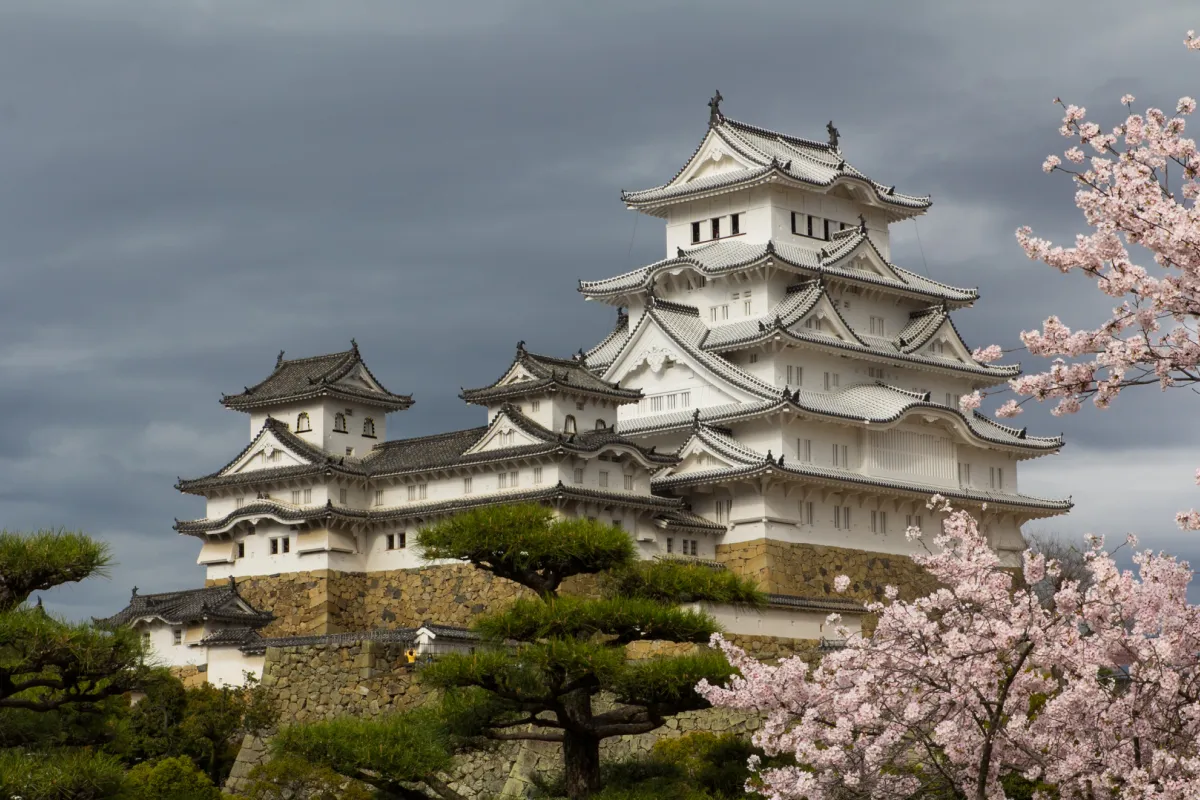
{"type": "Point", "coordinates": [191, 674]}
{"type": "Point", "coordinates": [370, 678]}
{"type": "Point", "coordinates": [329, 601]}
{"type": "Point", "coordinates": [808, 570]}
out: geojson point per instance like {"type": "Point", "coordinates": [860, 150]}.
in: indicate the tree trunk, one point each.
{"type": "Point", "coordinates": [581, 749]}
{"type": "Point", "coordinates": [581, 765]}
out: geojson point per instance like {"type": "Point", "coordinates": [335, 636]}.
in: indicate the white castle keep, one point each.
{"type": "Point", "coordinates": [775, 390]}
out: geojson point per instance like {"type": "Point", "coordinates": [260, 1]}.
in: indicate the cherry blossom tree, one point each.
{"type": "Point", "coordinates": [1137, 188]}
{"type": "Point", "coordinates": [980, 687]}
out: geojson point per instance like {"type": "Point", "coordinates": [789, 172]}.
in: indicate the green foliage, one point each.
{"type": "Point", "coordinates": [170, 779]}
{"type": "Point", "coordinates": [675, 582]}
{"type": "Point", "coordinates": [59, 775]}
{"type": "Point", "coordinates": [697, 766]}
{"type": "Point", "coordinates": [39, 561]}
{"type": "Point", "coordinates": [528, 673]}
{"type": "Point", "coordinates": [291, 778]}
{"type": "Point", "coordinates": [527, 544]}
{"type": "Point", "coordinates": [204, 722]}
{"type": "Point", "coordinates": [669, 683]}
{"type": "Point", "coordinates": [408, 747]}
{"type": "Point", "coordinates": [626, 619]}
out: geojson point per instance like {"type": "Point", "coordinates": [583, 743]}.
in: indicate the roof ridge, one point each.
{"type": "Point", "coordinates": [339, 355]}
{"type": "Point", "coordinates": [825, 146]}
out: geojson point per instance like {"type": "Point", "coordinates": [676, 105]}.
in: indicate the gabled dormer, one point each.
{"type": "Point", "coordinates": [561, 394]}
{"type": "Point", "coordinates": [332, 401]}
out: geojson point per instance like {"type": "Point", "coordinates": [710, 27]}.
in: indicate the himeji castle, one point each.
{"type": "Point", "coordinates": [777, 398]}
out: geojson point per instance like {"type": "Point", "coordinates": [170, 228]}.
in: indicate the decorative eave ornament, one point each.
{"type": "Point", "coordinates": [715, 117]}
{"type": "Point", "coordinates": [833, 135]}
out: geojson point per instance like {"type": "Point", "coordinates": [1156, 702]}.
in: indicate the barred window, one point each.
{"type": "Point", "coordinates": [339, 423]}
{"type": "Point", "coordinates": [369, 427]}
{"type": "Point", "coordinates": [303, 424]}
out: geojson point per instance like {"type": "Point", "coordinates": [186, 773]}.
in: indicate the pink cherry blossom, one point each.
{"type": "Point", "coordinates": [1093, 691]}
{"type": "Point", "coordinates": [986, 355]}
{"type": "Point", "coordinates": [841, 583]}
{"type": "Point", "coordinates": [970, 402]}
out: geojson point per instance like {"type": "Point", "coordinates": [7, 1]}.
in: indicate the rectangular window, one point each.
{"type": "Point", "coordinates": [841, 457]}
{"type": "Point", "coordinates": [656, 403]}
{"type": "Point", "coordinates": [912, 521]}
{"type": "Point", "coordinates": [285, 544]}
{"type": "Point", "coordinates": [754, 358]}
{"type": "Point", "coordinates": [877, 328]}
{"type": "Point", "coordinates": [603, 479]}
{"type": "Point", "coordinates": [716, 227]}
{"type": "Point", "coordinates": [402, 540]}
{"type": "Point", "coordinates": [349, 451]}
{"type": "Point", "coordinates": [804, 450]}
{"type": "Point", "coordinates": [238, 502]}
{"type": "Point", "coordinates": [794, 231]}
{"type": "Point", "coordinates": [724, 508]}
{"type": "Point", "coordinates": [747, 303]}
{"type": "Point", "coordinates": [391, 541]}
{"type": "Point", "coordinates": [274, 547]}
{"type": "Point", "coordinates": [502, 480]}
{"type": "Point", "coordinates": [826, 232]}
{"type": "Point", "coordinates": [810, 225]}
{"type": "Point", "coordinates": [694, 546]}
{"type": "Point", "coordinates": [735, 224]}
{"type": "Point", "coordinates": [878, 522]}
{"type": "Point", "coordinates": [695, 232]}
{"type": "Point", "coordinates": [685, 399]}
{"type": "Point", "coordinates": [670, 545]}
{"type": "Point", "coordinates": [832, 381]}
{"type": "Point", "coordinates": [379, 497]}
{"type": "Point", "coordinates": [537, 474]}
{"type": "Point", "coordinates": [629, 483]}
{"type": "Point", "coordinates": [616, 523]}
{"type": "Point", "coordinates": [814, 324]}
{"type": "Point", "coordinates": [308, 495]}
{"type": "Point", "coordinates": [512, 479]}
{"type": "Point", "coordinates": [841, 517]}
{"type": "Point", "coordinates": [241, 550]}
{"type": "Point", "coordinates": [671, 399]}
{"type": "Point", "coordinates": [806, 512]}
{"type": "Point", "coordinates": [467, 485]}
{"type": "Point", "coordinates": [795, 376]}
{"type": "Point", "coordinates": [950, 400]}
{"type": "Point", "coordinates": [578, 475]}
{"type": "Point", "coordinates": [295, 497]}
{"type": "Point", "coordinates": [177, 636]}
{"type": "Point", "coordinates": [996, 475]}
{"type": "Point", "coordinates": [145, 638]}
{"type": "Point", "coordinates": [535, 406]}
{"type": "Point", "coordinates": [342, 494]}
{"type": "Point", "coordinates": [964, 474]}
{"type": "Point", "coordinates": [417, 491]}
{"type": "Point", "coordinates": [712, 314]}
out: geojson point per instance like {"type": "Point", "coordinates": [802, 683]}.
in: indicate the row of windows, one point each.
{"type": "Point", "coordinates": [304, 424]}
{"type": "Point", "coordinates": [688, 547]}
{"type": "Point", "coordinates": [714, 228]}
{"type": "Point", "coordinates": [570, 426]}
{"type": "Point", "coordinates": [815, 227]}
{"type": "Point", "coordinates": [664, 402]}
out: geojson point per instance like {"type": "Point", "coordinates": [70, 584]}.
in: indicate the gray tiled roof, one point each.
{"type": "Point", "coordinates": [275, 509]}
{"type": "Point", "coordinates": [838, 605]}
{"type": "Point", "coordinates": [385, 636]}
{"type": "Point", "coordinates": [550, 374]}
{"type": "Point", "coordinates": [835, 475]}
{"type": "Point", "coordinates": [558, 492]}
{"type": "Point", "coordinates": [730, 256]}
{"type": "Point", "coordinates": [603, 354]}
{"type": "Point", "coordinates": [305, 378]}
{"type": "Point", "coordinates": [871, 403]}
{"type": "Point", "coordinates": [220, 603]}
{"type": "Point", "coordinates": [800, 160]}
{"type": "Point", "coordinates": [687, 520]}
{"type": "Point", "coordinates": [321, 463]}
{"type": "Point", "coordinates": [231, 637]}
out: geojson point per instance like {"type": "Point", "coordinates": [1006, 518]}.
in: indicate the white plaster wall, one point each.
{"type": "Point", "coordinates": [785, 623]}
{"type": "Point", "coordinates": [227, 665]}
{"type": "Point", "coordinates": [163, 649]}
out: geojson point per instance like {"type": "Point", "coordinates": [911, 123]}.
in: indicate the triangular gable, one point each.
{"type": "Point", "coordinates": [503, 433]}
{"type": "Point", "coordinates": [714, 156]}
{"type": "Point", "coordinates": [261, 455]}
{"type": "Point", "coordinates": [865, 258]}
{"type": "Point", "coordinates": [649, 349]}
{"type": "Point", "coordinates": [698, 456]}
{"type": "Point", "coordinates": [946, 343]}
{"type": "Point", "coordinates": [823, 319]}
{"type": "Point", "coordinates": [359, 378]}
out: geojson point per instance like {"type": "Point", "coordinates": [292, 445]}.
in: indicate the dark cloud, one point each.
{"type": "Point", "coordinates": [190, 187]}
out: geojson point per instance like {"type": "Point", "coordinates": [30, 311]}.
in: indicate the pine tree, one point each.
{"type": "Point", "coordinates": [555, 666]}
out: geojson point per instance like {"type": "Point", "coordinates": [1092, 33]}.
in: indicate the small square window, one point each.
{"type": "Point", "coordinates": [177, 636]}
{"type": "Point", "coordinates": [349, 451]}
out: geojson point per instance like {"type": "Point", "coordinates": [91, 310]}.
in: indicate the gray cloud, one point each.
{"type": "Point", "coordinates": [192, 186]}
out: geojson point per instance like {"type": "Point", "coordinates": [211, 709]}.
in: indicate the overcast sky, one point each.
{"type": "Point", "coordinates": [189, 187]}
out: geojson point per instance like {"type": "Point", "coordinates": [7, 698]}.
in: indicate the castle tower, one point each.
{"type": "Point", "coordinates": [809, 385]}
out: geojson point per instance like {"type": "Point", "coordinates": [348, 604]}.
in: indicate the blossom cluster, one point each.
{"type": "Point", "coordinates": [1094, 692]}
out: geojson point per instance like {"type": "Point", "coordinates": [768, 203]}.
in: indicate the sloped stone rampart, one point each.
{"type": "Point", "coordinates": [368, 679]}
{"type": "Point", "coordinates": [808, 570]}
